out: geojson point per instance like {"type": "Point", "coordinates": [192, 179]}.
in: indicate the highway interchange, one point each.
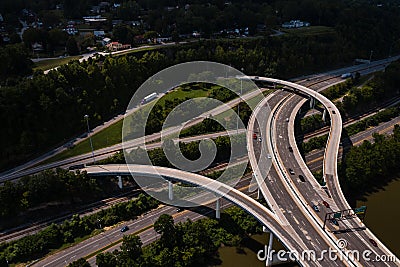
{"type": "Point", "coordinates": [312, 192]}
{"type": "Point", "coordinates": [293, 214]}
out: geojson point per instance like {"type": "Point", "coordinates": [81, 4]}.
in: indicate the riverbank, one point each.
{"type": "Point", "coordinates": [246, 254]}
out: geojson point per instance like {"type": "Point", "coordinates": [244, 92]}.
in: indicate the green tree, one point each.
{"type": "Point", "coordinates": [123, 34]}
{"type": "Point", "coordinates": [79, 263]}
{"type": "Point", "coordinates": [33, 35]}
{"type": "Point", "coordinates": [57, 37]}
{"type": "Point", "coordinates": [14, 62]}
{"type": "Point", "coordinates": [75, 8]}
{"type": "Point", "coordinates": [151, 35]}
{"type": "Point", "coordinates": [132, 246]}
{"type": "Point", "coordinates": [72, 46]}
{"type": "Point", "coordinates": [106, 259]}
{"type": "Point", "coordinates": [165, 226]}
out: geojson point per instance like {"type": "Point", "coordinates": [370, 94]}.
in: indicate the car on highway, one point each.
{"type": "Point", "coordinates": [269, 156]}
{"type": "Point", "coordinates": [254, 136]}
{"type": "Point", "coordinates": [315, 207]}
{"type": "Point", "coordinates": [124, 229]}
{"type": "Point", "coordinates": [335, 222]}
{"type": "Point", "coordinates": [179, 209]}
{"type": "Point", "coordinates": [76, 167]}
{"type": "Point", "coordinates": [287, 119]}
{"type": "Point", "coordinates": [334, 112]}
{"type": "Point", "coordinates": [373, 242]}
{"type": "Point", "coordinates": [301, 177]}
{"type": "Point", "coordinates": [290, 149]}
{"type": "Point", "coordinates": [259, 139]}
{"type": "Point", "coordinates": [291, 171]}
{"type": "Point", "coordinates": [326, 204]}
{"type": "Point", "coordinates": [346, 75]}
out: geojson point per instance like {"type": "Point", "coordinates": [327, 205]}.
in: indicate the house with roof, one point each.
{"type": "Point", "coordinates": [99, 33]}
{"type": "Point", "coordinates": [116, 46]}
{"type": "Point", "coordinates": [105, 41]}
{"type": "Point", "coordinates": [295, 24]}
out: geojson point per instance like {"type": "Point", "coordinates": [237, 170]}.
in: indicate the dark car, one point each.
{"type": "Point", "coordinates": [291, 171]}
{"type": "Point", "coordinates": [290, 149]}
{"type": "Point", "coordinates": [301, 177]}
{"type": "Point", "coordinates": [76, 167]}
{"type": "Point", "coordinates": [124, 229]}
{"type": "Point", "coordinates": [373, 242]}
{"type": "Point", "coordinates": [315, 207]}
{"type": "Point", "coordinates": [326, 204]}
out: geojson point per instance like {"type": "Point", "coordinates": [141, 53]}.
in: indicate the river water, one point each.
{"type": "Point", "coordinates": [247, 254]}
{"type": "Point", "coordinates": [383, 215]}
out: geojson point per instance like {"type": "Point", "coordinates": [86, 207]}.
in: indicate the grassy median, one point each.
{"type": "Point", "coordinates": [113, 134]}
{"type": "Point", "coordinates": [52, 63]}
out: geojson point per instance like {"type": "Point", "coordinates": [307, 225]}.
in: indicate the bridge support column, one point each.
{"type": "Point", "coordinates": [268, 261]}
{"type": "Point", "coordinates": [269, 257]}
{"type": "Point", "coordinates": [170, 191]}
{"type": "Point", "coordinates": [312, 102]}
{"type": "Point", "coordinates": [119, 181]}
{"type": "Point", "coordinates": [218, 209]}
{"type": "Point", "coordinates": [324, 115]}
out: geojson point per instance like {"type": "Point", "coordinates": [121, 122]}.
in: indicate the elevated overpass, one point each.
{"type": "Point", "coordinates": [291, 220]}
{"type": "Point", "coordinates": [280, 195]}
{"type": "Point", "coordinates": [330, 164]}
{"type": "Point", "coordinates": [284, 232]}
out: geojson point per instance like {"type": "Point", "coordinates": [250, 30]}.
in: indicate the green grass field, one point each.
{"type": "Point", "coordinates": [142, 49]}
{"type": "Point", "coordinates": [52, 63]}
{"type": "Point", "coordinates": [310, 31]}
{"type": "Point", "coordinates": [113, 134]}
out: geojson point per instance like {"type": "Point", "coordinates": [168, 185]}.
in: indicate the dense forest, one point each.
{"type": "Point", "coordinates": [33, 111]}
{"type": "Point", "coordinates": [53, 188]}
{"type": "Point", "coordinates": [34, 114]}
{"type": "Point", "coordinates": [46, 193]}
{"type": "Point", "coordinates": [45, 110]}
{"type": "Point", "coordinates": [371, 164]}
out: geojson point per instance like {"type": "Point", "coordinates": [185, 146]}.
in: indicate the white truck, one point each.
{"type": "Point", "coordinates": [346, 75]}
{"type": "Point", "coordinates": [148, 98]}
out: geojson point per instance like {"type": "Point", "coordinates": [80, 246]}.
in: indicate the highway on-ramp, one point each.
{"type": "Point", "coordinates": [313, 194]}
{"type": "Point", "coordinates": [260, 212]}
